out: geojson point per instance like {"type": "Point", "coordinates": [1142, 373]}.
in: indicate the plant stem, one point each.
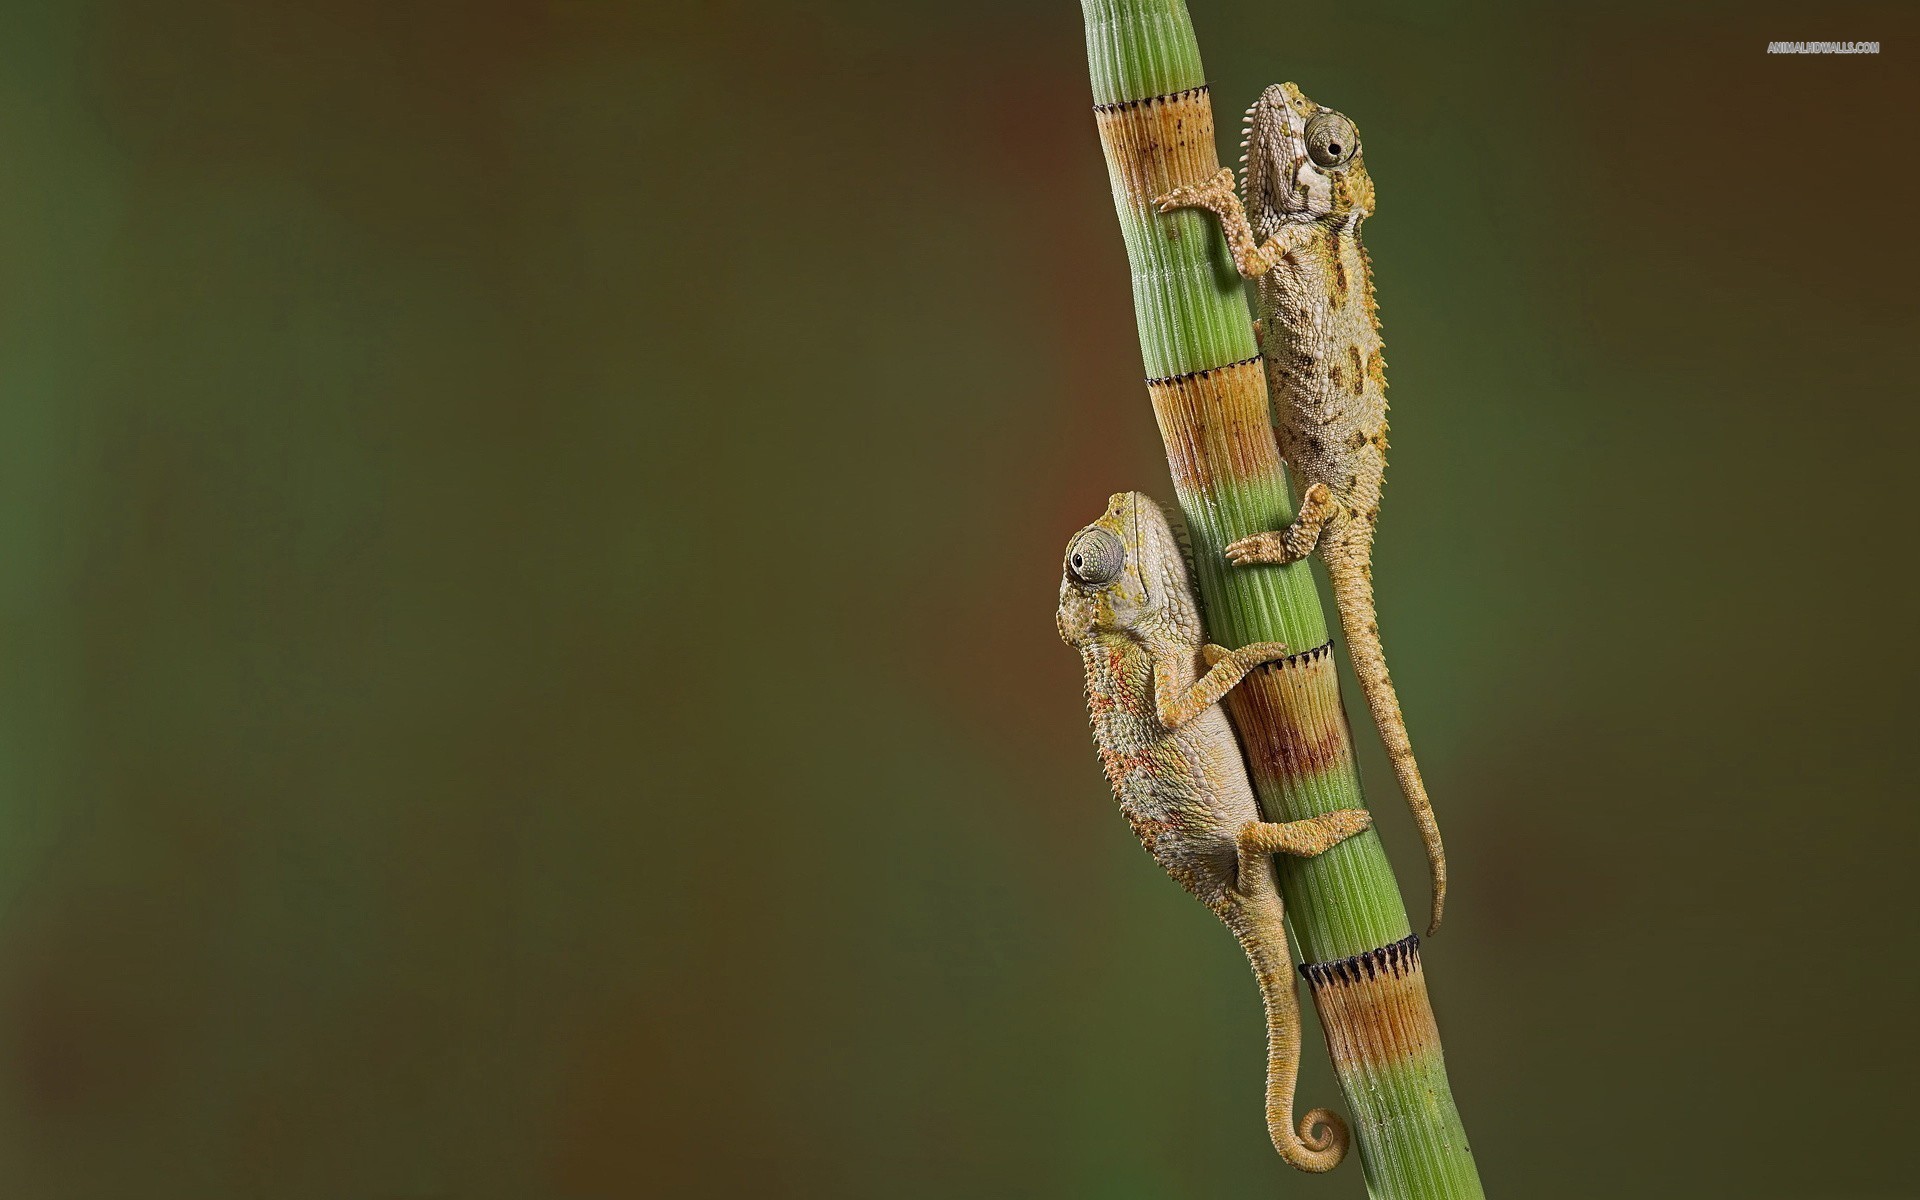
{"type": "Point", "coordinates": [1209, 397]}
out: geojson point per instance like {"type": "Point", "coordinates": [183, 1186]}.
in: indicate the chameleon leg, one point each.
{"type": "Point", "coordinates": [1251, 257]}
{"type": "Point", "coordinates": [1294, 542]}
{"type": "Point", "coordinates": [1320, 1140]}
{"type": "Point", "coordinates": [1176, 705]}
{"type": "Point", "coordinates": [1305, 838]}
{"type": "Point", "coordinates": [1302, 839]}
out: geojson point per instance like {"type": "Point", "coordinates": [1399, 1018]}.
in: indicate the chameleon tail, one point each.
{"type": "Point", "coordinates": [1352, 578]}
{"type": "Point", "coordinates": [1320, 1141]}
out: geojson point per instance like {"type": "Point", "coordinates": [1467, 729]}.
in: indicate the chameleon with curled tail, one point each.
{"type": "Point", "coordinates": [1154, 691]}
{"type": "Point", "coordinates": [1319, 335]}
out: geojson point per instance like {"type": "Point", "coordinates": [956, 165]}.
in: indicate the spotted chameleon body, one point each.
{"type": "Point", "coordinates": [1298, 238]}
{"type": "Point", "coordinates": [1153, 691]}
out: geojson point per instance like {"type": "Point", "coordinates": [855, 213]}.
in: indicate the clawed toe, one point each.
{"type": "Point", "coordinates": [1256, 549]}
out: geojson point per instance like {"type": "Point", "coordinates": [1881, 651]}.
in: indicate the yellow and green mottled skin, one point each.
{"type": "Point", "coordinates": [1209, 397]}
{"type": "Point", "coordinates": [1153, 693]}
{"type": "Point", "coordinates": [1298, 237]}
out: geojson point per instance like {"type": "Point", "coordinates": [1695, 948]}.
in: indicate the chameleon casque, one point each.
{"type": "Point", "coordinates": [1153, 691]}
{"type": "Point", "coordinates": [1319, 335]}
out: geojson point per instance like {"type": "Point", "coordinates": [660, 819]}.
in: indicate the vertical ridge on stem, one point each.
{"type": "Point", "coordinates": [1209, 397]}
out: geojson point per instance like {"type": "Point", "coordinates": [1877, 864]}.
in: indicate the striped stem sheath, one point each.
{"type": "Point", "coordinates": [1209, 398]}
{"type": "Point", "coordinates": [1381, 1033]}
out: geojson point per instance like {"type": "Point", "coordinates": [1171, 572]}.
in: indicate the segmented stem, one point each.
{"type": "Point", "coordinates": [1209, 398]}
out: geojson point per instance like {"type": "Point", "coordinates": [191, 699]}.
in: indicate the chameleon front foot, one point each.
{"type": "Point", "coordinates": [1247, 657]}
{"type": "Point", "coordinates": [1251, 257]}
{"type": "Point", "coordinates": [1293, 543]}
{"type": "Point", "coordinates": [1225, 670]}
{"type": "Point", "coordinates": [1216, 195]}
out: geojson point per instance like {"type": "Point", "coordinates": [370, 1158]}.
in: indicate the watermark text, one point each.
{"type": "Point", "coordinates": [1823, 47]}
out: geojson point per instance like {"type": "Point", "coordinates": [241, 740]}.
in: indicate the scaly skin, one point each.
{"type": "Point", "coordinates": [1127, 606]}
{"type": "Point", "coordinates": [1320, 339]}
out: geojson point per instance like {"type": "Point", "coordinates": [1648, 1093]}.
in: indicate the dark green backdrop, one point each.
{"type": "Point", "coordinates": [528, 538]}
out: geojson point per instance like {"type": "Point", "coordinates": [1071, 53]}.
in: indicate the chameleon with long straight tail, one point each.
{"type": "Point", "coordinates": [1320, 338]}
{"type": "Point", "coordinates": [1154, 693]}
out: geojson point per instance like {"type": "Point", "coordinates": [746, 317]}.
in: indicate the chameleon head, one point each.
{"type": "Point", "coordinates": [1302, 159]}
{"type": "Point", "coordinates": [1126, 572]}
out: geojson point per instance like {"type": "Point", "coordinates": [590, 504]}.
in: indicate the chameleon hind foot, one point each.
{"type": "Point", "coordinates": [1296, 541]}
{"type": "Point", "coordinates": [1304, 838]}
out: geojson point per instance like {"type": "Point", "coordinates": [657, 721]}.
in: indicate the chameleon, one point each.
{"type": "Point", "coordinates": [1153, 693]}
{"type": "Point", "coordinates": [1306, 181]}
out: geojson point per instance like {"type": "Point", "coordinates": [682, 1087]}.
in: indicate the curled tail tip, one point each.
{"type": "Point", "coordinates": [1323, 1129]}
{"type": "Point", "coordinates": [1324, 1138]}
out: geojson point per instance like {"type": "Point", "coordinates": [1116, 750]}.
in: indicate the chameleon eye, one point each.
{"type": "Point", "coordinates": [1332, 141]}
{"type": "Point", "coordinates": [1095, 556]}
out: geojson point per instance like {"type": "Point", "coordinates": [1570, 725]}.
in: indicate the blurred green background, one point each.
{"type": "Point", "coordinates": [529, 539]}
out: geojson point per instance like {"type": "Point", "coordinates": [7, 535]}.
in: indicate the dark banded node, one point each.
{"type": "Point", "coordinates": [1159, 143]}
{"type": "Point", "coordinates": [1149, 101]}
{"type": "Point", "coordinates": [1395, 959]}
{"type": "Point", "coordinates": [1374, 1007]}
{"type": "Point", "coordinates": [1217, 426]}
{"type": "Point", "coordinates": [1319, 654]}
{"type": "Point", "coordinates": [1201, 374]}
{"type": "Point", "coordinates": [1291, 723]}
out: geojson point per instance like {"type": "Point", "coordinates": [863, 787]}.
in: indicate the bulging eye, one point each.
{"type": "Point", "coordinates": [1095, 556]}
{"type": "Point", "coordinates": [1332, 141]}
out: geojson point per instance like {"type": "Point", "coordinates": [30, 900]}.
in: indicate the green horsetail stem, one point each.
{"type": "Point", "coordinates": [1209, 396]}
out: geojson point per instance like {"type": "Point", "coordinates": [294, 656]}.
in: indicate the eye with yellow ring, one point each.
{"type": "Point", "coordinates": [1096, 556]}
{"type": "Point", "coordinates": [1332, 141]}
